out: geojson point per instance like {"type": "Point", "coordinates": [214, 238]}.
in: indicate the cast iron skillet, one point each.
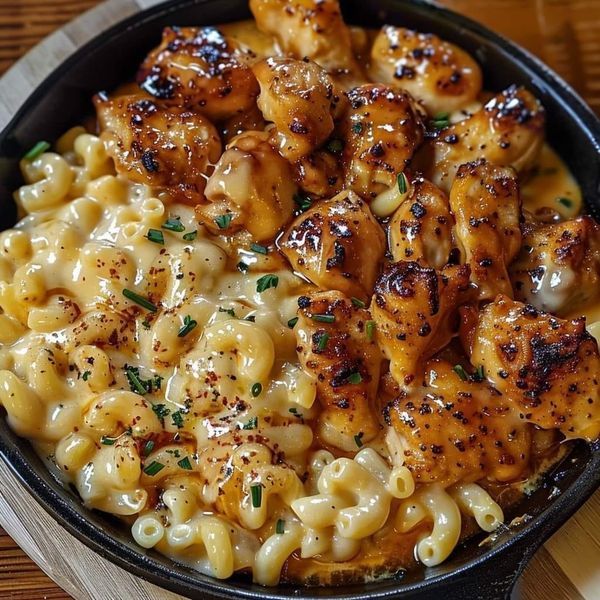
{"type": "Point", "coordinates": [487, 572]}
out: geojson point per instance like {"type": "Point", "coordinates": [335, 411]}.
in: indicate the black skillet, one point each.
{"type": "Point", "coordinates": [63, 99]}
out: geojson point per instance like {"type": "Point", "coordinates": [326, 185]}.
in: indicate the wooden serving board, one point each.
{"type": "Point", "coordinates": [566, 568]}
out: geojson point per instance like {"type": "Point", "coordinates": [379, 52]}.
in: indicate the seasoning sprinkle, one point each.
{"type": "Point", "coordinates": [256, 493]}
{"type": "Point", "coordinates": [174, 224]}
{"type": "Point", "coordinates": [188, 325]}
{"type": "Point", "coordinates": [144, 302]}
{"type": "Point", "coordinates": [223, 221]}
{"type": "Point", "coordinates": [323, 342]}
{"type": "Point", "coordinates": [37, 149]}
{"type": "Point", "coordinates": [153, 468]}
{"type": "Point", "coordinates": [256, 389]}
{"type": "Point", "coordinates": [156, 236]}
{"type": "Point", "coordinates": [259, 249]}
{"type": "Point", "coordinates": [323, 318]}
{"type": "Point", "coordinates": [185, 463]}
{"type": "Point", "coordinates": [266, 282]}
{"type": "Point", "coordinates": [460, 371]}
{"type": "Point", "coordinates": [402, 183]}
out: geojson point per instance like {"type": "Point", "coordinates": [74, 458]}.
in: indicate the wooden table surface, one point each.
{"type": "Point", "coordinates": [566, 34]}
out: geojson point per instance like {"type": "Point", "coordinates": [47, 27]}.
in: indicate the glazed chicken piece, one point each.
{"type": "Point", "coordinates": [487, 207]}
{"type": "Point", "coordinates": [320, 174]}
{"type": "Point", "coordinates": [453, 430]}
{"type": "Point", "coordinates": [337, 244]}
{"type": "Point", "coordinates": [299, 98]}
{"type": "Point", "coordinates": [413, 308]}
{"type": "Point", "coordinates": [158, 145]}
{"type": "Point", "coordinates": [548, 367]}
{"type": "Point", "coordinates": [334, 345]}
{"type": "Point", "coordinates": [381, 131]}
{"type": "Point", "coordinates": [558, 269]}
{"type": "Point", "coordinates": [439, 74]}
{"type": "Point", "coordinates": [252, 186]}
{"type": "Point", "coordinates": [421, 228]}
{"type": "Point", "coordinates": [200, 68]}
{"type": "Point", "coordinates": [313, 29]}
{"type": "Point", "coordinates": [507, 131]}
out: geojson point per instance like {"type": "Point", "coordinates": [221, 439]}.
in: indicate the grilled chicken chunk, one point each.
{"type": "Point", "coordinates": [201, 69]}
{"type": "Point", "coordinates": [334, 345]}
{"type": "Point", "coordinates": [507, 131]}
{"type": "Point", "coordinates": [299, 98]}
{"type": "Point", "coordinates": [313, 29]}
{"type": "Point", "coordinates": [421, 228]}
{"type": "Point", "coordinates": [441, 75]}
{"type": "Point", "coordinates": [547, 366]}
{"type": "Point", "coordinates": [320, 174]}
{"type": "Point", "coordinates": [252, 185]}
{"type": "Point", "coordinates": [558, 268]}
{"type": "Point", "coordinates": [162, 146]}
{"type": "Point", "coordinates": [381, 131]}
{"type": "Point", "coordinates": [454, 431]}
{"type": "Point", "coordinates": [413, 307]}
{"type": "Point", "coordinates": [487, 207]}
{"type": "Point", "coordinates": [337, 244]}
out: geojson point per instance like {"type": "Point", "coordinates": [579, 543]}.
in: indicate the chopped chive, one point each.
{"type": "Point", "coordinates": [358, 302]}
{"type": "Point", "coordinates": [259, 249]}
{"type": "Point", "coordinates": [256, 389]}
{"type": "Point", "coordinates": [256, 493]}
{"type": "Point", "coordinates": [479, 374]}
{"type": "Point", "coordinates": [354, 378]}
{"type": "Point", "coordinates": [144, 302]}
{"type": "Point", "coordinates": [358, 439]}
{"type": "Point", "coordinates": [174, 224]}
{"type": "Point", "coordinates": [38, 149]}
{"type": "Point", "coordinates": [302, 202]}
{"type": "Point", "coordinates": [293, 410]}
{"type": "Point", "coordinates": [160, 410]}
{"type": "Point", "coordinates": [135, 383]}
{"type": "Point", "coordinates": [323, 342]}
{"type": "Point", "coordinates": [251, 424]}
{"type": "Point", "coordinates": [460, 371]}
{"type": "Point", "coordinates": [292, 322]}
{"type": "Point", "coordinates": [148, 447]}
{"type": "Point", "coordinates": [280, 526]}
{"type": "Point", "coordinates": [242, 266]}
{"type": "Point", "coordinates": [370, 329]}
{"type": "Point", "coordinates": [266, 282]}
{"type": "Point", "coordinates": [335, 146]}
{"type": "Point", "coordinates": [223, 221]}
{"type": "Point", "coordinates": [156, 236]}
{"type": "Point", "coordinates": [402, 183]}
{"type": "Point", "coordinates": [188, 325]}
{"type": "Point", "coordinates": [177, 419]}
{"type": "Point", "coordinates": [185, 463]}
{"type": "Point", "coordinates": [229, 311]}
{"type": "Point", "coordinates": [323, 318]}
{"type": "Point", "coordinates": [357, 128]}
{"type": "Point", "coordinates": [566, 202]}
{"type": "Point", "coordinates": [190, 236]}
{"type": "Point", "coordinates": [441, 116]}
{"type": "Point", "coordinates": [86, 375]}
{"type": "Point", "coordinates": [441, 120]}
{"type": "Point", "coordinates": [153, 468]}
{"type": "Point", "coordinates": [107, 441]}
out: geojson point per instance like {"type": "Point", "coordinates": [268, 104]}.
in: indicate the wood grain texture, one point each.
{"type": "Point", "coordinates": [567, 35]}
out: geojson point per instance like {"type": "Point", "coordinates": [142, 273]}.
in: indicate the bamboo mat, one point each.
{"type": "Point", "coordinates": [564, 33]}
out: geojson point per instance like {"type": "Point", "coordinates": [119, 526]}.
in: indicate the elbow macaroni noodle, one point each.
{"type": "Point", "coordinates": [204, 441]}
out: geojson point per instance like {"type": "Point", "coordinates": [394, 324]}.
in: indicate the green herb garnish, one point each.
{"type": "Point", "coordinates": [370, 327]}
{"type": "Point", "coordinates": [335, 146]}
{"type": "Point", "coordinates": [256, 493]}
{"type": "Point", "coordinates": [38, 149]}
{"type": "Point", "coordinates": [358, 302]}
{"type": "Point", "coordinates": [460, 371]}
{"type": "Point", "coordinates": [259, 249]}
{"type": "Point", "coordinates": [177, 418]}
{"type": "Point", "coordinates": [266, 282]}
{"type": "Point", "coordinates": [357, 128]}
{"type": "Point", "coordinates": [153, 468]}
{"type": "Point", "coordinates": [292, 322]}
{"type": "Point", "coordinates": [358, 439]}
{"type": "Point", "coordinates": [173, 224]}
{"type": "Point", "coordinates": [184, 463]}
{"type": "Point", "coordinates": [402, 183]}
{"type": "Point", "coordinates": [190, 236]}
{"type": "Point", "coordinates": [86, 375]}
{"type": "Point", "coordinates": [302, 202]}
{"type": "Point", "coordinates": [223, 221]}
{"type": "Point", "coordinates": [354, 378]}
{"type": "Point", "coordinates": [156, 236]}
{"type": "Point", "coordinates": [256, 389]}
{"type": "Point", "coordinates": [251, 424]}
{"type": "Point", "coordinates": [188, 325]}
{"type": "Point", "coordinates": [566, 202]}
{"type": "Point", "coordinates": [323, 342]}
{"type": "Point", "coordinates": [148, 447]}
{"type": "Point", "coordinates": [242, 266]}
{"type": "Point", "coordinates": [161, 411]}
{"type": "Point", "coordinates": [229, 311]}
{"type": "Point", "coordinates": [144, 302]}
{"type": "Point", "coordinates": [107, 441]}
{"type": "Point", "coordinates": [280, 526]}
{"type": "Point", "coordinates": [323, 318]}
